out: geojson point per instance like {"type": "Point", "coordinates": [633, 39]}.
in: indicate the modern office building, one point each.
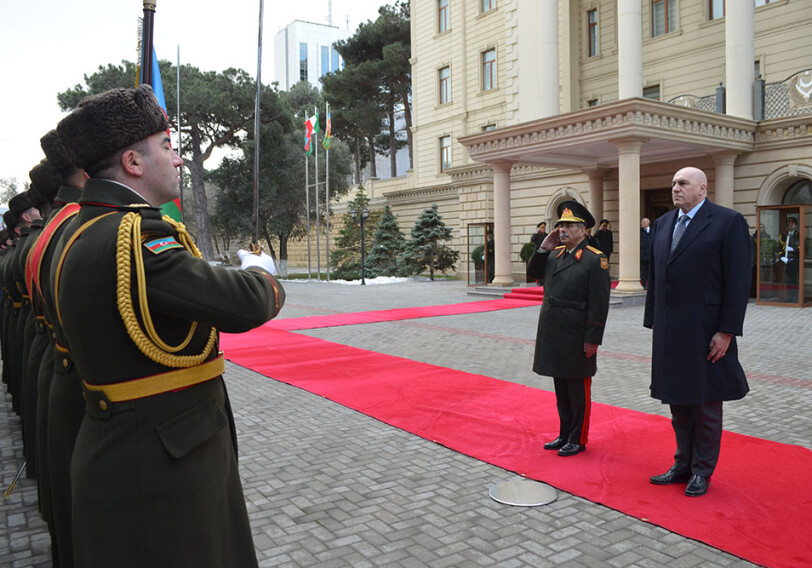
{"type": "Point", "coordinates": [520, 104]}
{"type": "Point", "coordinates": [303, 51]}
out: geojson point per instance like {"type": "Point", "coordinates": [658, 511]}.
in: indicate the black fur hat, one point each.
{"type": "Point", "coordinates": [10, 221]}
{"type": "Point", "coordinates": [19, 203]}
{"type": "Point", "coordinates": [46, 182]}
{"type": "Point", "coordinates": [55, 151]}
{"type": "Point", "coordinates": [104, 124]}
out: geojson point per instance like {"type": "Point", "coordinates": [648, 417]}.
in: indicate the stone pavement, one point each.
{"type": "Point", "coordinates": [328, 486]}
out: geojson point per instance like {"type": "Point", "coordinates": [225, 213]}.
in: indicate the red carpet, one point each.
{"type": "Point", "coordinates": [333, 320]}
{"type": "Point", "coordinates": [755, 509]}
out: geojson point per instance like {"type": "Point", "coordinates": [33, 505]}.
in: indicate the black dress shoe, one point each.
{"type": "Point", "coordinates": [697, 486]}
{"type": "Point", "coordinates": [673, 475]}
{"type": "Point", "coordinates": [570, 449]}
{"type": "Point", "coordinates": [556, 444]}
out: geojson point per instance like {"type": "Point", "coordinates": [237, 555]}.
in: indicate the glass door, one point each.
{"type": "Point", "coordinates": [783, 256]}
{"type": "Point", "coordinates": [480, 263]}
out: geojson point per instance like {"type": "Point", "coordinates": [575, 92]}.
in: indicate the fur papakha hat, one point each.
{"type": "Point", "coordinates": [108, 122]}
{"type": "Point", "coordinates": [10, 221]}
{"type": "Point", "coordinates": [46, 182]}
{"type": "Point", "coordinates": [55, 151]}
{"type": "Point", "coordinates": [19, 203]}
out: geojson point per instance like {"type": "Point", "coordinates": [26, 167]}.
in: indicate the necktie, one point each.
{"type": "Point", "coordinates": [681, 224]}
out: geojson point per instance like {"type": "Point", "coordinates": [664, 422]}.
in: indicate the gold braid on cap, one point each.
{"type": "Point", "coordinates": [129, 239]}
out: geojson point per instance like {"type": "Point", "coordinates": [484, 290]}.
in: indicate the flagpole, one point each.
{"type": "Point", "coordinates": [255, 217]}
{"type": "Point", "coordinates": [316, 150]}
{"type": "Point", "coordinates": [307, 209]}
{"type": "Point", "coordinates": [180, 150]}
{"type": "Point", "coordinates": [327, 196]}
{"type": "Point", "coordinates": [146, 42]}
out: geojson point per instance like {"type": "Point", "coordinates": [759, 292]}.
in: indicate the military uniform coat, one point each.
{"type": "Point", "coordinates": [155, 480]}
{"type": "Point", "coordinates": [700, 289]}
{"type": "Point", "coordinates": [576, 304]}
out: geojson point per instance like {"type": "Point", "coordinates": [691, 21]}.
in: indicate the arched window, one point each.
{"type": "Point", "coordinates": [799, 192]}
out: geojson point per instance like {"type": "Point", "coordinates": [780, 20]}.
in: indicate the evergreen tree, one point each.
{"type": "Point", "coordinates": [345, 258]}
{"type": "Point", "coordinates": [387, 247]}
{"type": "Point", "coordinates": [425, 248]}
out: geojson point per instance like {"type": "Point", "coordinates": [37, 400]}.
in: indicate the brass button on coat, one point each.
{"type": "Point", "coordinates": [103, 405]}
{"type": "Point", "coordinates": [65, 362]}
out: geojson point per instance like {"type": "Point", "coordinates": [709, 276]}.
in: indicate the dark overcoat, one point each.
{"type": "Point", "coordinates": [155, 480]}
{"type": "Point", "coordinates": [576, 304]}
{"type": "Point", "coordinates": [700, 289]}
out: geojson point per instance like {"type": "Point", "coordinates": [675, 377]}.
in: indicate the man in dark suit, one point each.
{"type": "Point", "coordinates": [697, 295]}
{"type": "Point", "coordinates": [789, 242]}
{"type": "Point", "coordinates": [571, 322]}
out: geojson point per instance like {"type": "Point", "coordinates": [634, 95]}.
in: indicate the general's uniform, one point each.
{"type": "Point", "coordinates": [576, 304]}
{"type": "Point", "coordinates": [155, 477]}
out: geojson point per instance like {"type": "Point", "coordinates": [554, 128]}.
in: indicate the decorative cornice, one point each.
{"type": "Point", "coordinates": [791, 131]}
{"type": "Point", "coordinates": [422, 194]}
{"type": "Point", "coordinates": [631, 117]}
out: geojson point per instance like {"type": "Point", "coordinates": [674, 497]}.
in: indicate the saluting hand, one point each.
{"type": "Point", "coordinates": [590, 349]}
{"type": "Point", "coordinates": [718, 346]}
{"type": "Point", "coordinates": [551, 240]}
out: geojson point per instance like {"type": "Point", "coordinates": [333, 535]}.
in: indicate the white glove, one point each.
{"type": "Point", "coordinates": [262, 260]}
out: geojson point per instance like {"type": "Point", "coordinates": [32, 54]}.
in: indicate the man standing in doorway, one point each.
{"type": "Point", "coordinates": [697, 294]}
{"type": "Point", "coordinates": [572, 320]}
{"type": "Point", "coordinates": [789, 256]}
{"type": "Point", "coordinates": [645, 247]}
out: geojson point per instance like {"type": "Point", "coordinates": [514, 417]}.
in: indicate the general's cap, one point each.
{"type": "Point", "coordinates": [574, 212]}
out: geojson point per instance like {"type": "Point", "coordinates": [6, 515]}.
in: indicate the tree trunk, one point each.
{"type": "Point", "coordinates": [199, 197]}
{"type": "Point", "coordinates": [407, 116]}
{"type": "Point", "coordinates": [357, 157]}
{"type": "Point", "coordinates": [373, 170]}
{"type": "Point", "coordinates": [393, 149]}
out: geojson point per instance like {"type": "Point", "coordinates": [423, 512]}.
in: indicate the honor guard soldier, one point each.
{"type": "Point", "coordinates": [154, 475]}
{"type": "Point", "coordinates": [571, 324]}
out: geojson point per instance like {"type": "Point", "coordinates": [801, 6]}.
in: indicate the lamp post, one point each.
{"type": "Point", "coordinates": [363, 218]}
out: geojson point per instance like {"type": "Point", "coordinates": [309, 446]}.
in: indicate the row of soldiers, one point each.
{"type": "Point", "coordinates": [110, 322]}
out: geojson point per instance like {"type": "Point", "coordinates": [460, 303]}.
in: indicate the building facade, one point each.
{"type": "Point", "coordinates": [303, 51]}
{"type": "Point", "coordinates": [521, 104]}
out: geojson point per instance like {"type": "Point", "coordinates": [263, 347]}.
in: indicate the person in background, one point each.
{"type": "Point", "coordinates": [645, 247]}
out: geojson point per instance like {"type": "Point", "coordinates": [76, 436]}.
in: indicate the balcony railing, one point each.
{"type": "Point", "coordinates": [790, 97]}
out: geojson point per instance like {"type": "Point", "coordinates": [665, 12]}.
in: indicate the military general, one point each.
{"type": "Point", "coordinates": [571, 324]}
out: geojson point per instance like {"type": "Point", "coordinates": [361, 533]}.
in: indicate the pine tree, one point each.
{"type": "Point", "coordinates": [346, 256]}
{"type": "Point", "coordinates": [387, 247]}
{"type": "Point", "coordinates": [425, 248]}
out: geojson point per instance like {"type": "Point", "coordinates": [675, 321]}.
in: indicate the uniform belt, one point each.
{"type": "Point", "coordinates": [161, 383]}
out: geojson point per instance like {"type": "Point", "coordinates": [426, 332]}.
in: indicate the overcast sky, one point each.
{"type": "Point", "coordinates": [47, 46]}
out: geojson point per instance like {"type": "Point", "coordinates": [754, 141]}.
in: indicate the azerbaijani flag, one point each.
{"type": "Point", "coordinates": [328, 131]}
{"type": "Point", "coordinates": [311, 127]}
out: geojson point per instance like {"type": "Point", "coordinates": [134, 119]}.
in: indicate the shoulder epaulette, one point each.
{"type": "Point", "coordinates": [559, 247]}
{"type": "Point", "coordinates": [593, 249]}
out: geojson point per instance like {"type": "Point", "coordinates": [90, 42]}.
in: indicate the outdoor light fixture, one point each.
{"type": "Point", "coordinates": [364, 216]}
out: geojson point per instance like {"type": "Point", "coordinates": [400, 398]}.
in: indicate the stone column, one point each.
{"type": "Point", "coordinates": [629, 212]}
{"type": "Point", "coordinates": [630, 48]}
{"type": "Point", "coordinates": [501, 224]}
{"type": "Point", "coordinates": [596, 193]}
{"type": "Point", "coordinates": [725, 174]}
{"type": "Point", "coordinates": [739, 58]}
{"type": "Point", "coordinates": [538, 82]}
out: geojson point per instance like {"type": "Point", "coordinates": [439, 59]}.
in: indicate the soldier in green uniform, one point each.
{"type": "Point", "coordinates": [571, 323]}
{"type": "Point", "coordinates": [154, 475]}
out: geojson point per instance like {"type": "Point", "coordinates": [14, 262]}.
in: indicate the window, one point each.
{"type": "Point", "coordinates": [445, 85]}
{"type": "Point", "coordinates": [488, 5]}
{"type": "Point", "coordinates": [442, 16]}
{"type": "Point", "coordinates": [716, 9]}
{"type": "Point", "coordinates": [763, 2]}
{"type": "Point", "coordinates": [488, 127]}
{"type": "Point", "coordinates": [663, 16]}
{"type": "Point", "coordinates": [445, 153]}
{"type": "Point", "coordinates": [592, 33]}
{"type": "Point", "coordinates": [325, 59]}
{"type": "Point", "coordinates": [757, 69]}
{"type": "Point", "coordinates": [333, 59]}
{"type": "Point", "coordinates": [303, 62]}
{"type": "Point", "coordinates": [489, 70]}
{"type": "Point", "coordinates": [592, 103]}
{"type": "Point", "coordinates": [652, 92]}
